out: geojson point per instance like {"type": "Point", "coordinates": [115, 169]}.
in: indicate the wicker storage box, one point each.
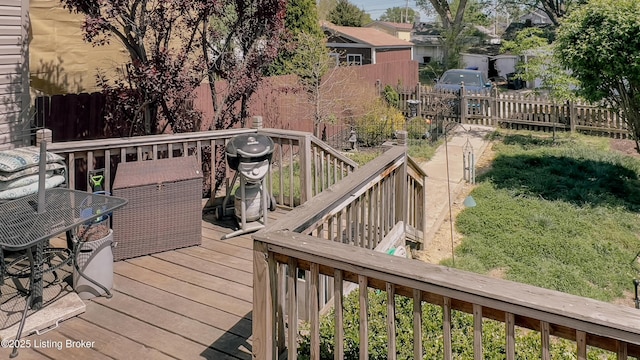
{"type": "Point", "coordinates": [164, 210]}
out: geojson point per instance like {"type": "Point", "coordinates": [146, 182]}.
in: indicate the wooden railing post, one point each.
{"type": "Point", "coordinates": [44, 134]}
{"type": "Point", "coordinates": [256, 122]}
{"type": "Point", "coordinates": [401, 189]}
{"type": "Point", "coordinates": [264, 303]}
{"type": "Point", "coordinates": [306, 160]}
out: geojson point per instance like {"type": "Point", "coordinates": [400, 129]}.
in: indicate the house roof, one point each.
{"type": "Point", "coordinates": [393, 25]}
{"type": "Point", "coordinates": [365, 35]}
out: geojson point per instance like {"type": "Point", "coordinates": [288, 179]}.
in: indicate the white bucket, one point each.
{"type": "Point", "coordinates": [95, 260]}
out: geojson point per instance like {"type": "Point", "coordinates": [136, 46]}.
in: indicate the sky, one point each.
{"type": "Point", "coordinates": [377, 7]}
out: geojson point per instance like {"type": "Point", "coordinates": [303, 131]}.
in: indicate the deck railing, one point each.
{"type": "Point", "coordinates": [363, 209]}
{"type": "Point", "coordinates": [296, 155]}
{"type": "Point", "coordinates": [551, 313]}
{"type": "Point", "coordinates": [332, 239]}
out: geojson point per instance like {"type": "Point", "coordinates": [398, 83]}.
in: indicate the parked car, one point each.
{"type": "Point", "coordinates": [473, 80]}
{"type": "Point", "coordinates": [451, 82]}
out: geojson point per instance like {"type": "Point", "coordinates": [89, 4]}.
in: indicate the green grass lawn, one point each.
{"type": "Point", "coordinates": [561, 215]}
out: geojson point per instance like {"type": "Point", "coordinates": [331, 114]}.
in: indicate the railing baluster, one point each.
{"type": "Point", "coordinates": [622, 350]}
{"type": "Point", "coordinates": [339, 326]}
{"type": "Point", "coordinates": [339, 227]}
{"type": "Point", "coordinates": [107, 171]}
{"type": "Point", "coordinates": [544, 334]}
{"type": "Point", "coordinates": [170, 150]}
{"type": "Point", "coordinates": [71, 169]}
{"type": "Point", "coordinates": [281, 174]}
{"type": "Point", "coordinates": [357, 219]}
{"type": "Point", "coordinates": [292, 309]}
{"type": "Point", "coordinates": [477, 332]}
{"type": "Point", "coordinates": [90, 168]}
{"type": "Point", "coordinates": [510, 331]}
{"type": "Point", "coordinates": [314, 317]}
{"type": "Point", "coordinates": [364, 323]}
{"type": "Point", "coordinates": [281, 295]}
{"type": "Point", "coordinates": [370, 225]}
{"type": "Point", "coordinates": [291, 182]}
{"type": "Point", "coordinates": [417, 324]}
{"type": "Point", "coordinates": [446, 328]}
{"type": "Point", "coordinates": [581, 342]}
{"type": "Point", "coordinates": [391, 321]}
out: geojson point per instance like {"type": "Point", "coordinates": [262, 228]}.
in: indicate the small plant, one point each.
{"type": "Point", "coordinates": [391, 96]}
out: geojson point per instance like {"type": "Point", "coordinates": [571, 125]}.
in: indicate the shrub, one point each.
{"type": "Point", "coordinates": [391, 96]}
{"type": "Point", "coordinates": [418, 127]}
{"type": "Point", "coordinates": [378, 124]}
{"type": "Point", "coordinates": [528, 345]}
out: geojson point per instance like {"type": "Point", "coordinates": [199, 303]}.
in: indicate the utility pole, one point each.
{"type": "Point", "coordinates": [406, 13]}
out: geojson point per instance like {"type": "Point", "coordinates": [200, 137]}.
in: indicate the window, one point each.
{"type": "Point", "coordinates": [354, 59]}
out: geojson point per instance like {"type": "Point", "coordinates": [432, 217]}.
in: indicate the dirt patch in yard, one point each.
{"type": "Point", "coordinates": [627, 147]}
{"type": "Point", "coordinates": [440, 246]}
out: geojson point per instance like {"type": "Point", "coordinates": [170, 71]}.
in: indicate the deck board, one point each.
{"type": "Point", "coordinates": [190, 303]}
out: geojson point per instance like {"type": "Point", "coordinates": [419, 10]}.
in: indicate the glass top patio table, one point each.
{"type": "Point", "coordinates": [22, 226]}
{"type": "Point", "coordinates": [29, 222]}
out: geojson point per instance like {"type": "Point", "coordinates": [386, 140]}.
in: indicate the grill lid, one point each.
{"type": "Point", "coordinates": [250, 146]}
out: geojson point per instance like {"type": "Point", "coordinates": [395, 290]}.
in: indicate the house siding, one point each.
{"type": "Point", "coordinates": [15, 127]}
{"type": "Point", "coordinates": [392, 55]}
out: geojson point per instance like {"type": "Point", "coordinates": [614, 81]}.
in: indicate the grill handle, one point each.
{"type": "Point", "coordinates": [246, 154]}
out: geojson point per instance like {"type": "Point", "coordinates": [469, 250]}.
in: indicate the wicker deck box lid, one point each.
{"type": "Point", "coordinates": [165, 206]}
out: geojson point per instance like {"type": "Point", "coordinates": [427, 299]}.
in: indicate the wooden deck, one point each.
{"type": "Point", "coordinates": [192, 303]}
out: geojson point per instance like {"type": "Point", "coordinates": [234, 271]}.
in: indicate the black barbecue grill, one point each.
{"type": "Point", "coordinates": [249, 155]}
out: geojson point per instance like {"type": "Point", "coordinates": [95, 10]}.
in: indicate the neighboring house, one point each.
{"type": "Point", "coordinates": [363, 45]}
{"type": "Point", "coordinates": [399, 30]}
{"type": "Point", "coordinates": [61, 61]}
{"type": "Point", "coordinates": [491, 65]}
{"type": "Point", "coordinates": [15, 123]}
{"type": "Point", "coordinates": [536, 17]}
{"type": "Point", "coordinates": [428, 43]}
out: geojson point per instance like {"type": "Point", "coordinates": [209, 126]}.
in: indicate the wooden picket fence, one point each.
{"type": "Point", "coordinates": [513, 110]}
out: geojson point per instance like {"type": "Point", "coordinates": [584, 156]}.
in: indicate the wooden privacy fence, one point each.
{"type": "Point", "coordinates": [514, 110]}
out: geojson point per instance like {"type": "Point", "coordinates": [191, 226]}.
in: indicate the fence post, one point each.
{"type": "Point", "coordinates": [419, 98]}
{"type": "Point", "coordinates": [462, 105]}
{"type": "Point", "coordinates": [494, 107]}
{"type": "Point", "coordinates": [572, 116]}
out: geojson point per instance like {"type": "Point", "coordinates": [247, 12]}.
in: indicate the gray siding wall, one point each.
{"type": "Point", "coordinates": [14, 74]}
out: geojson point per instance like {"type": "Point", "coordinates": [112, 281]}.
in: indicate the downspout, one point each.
{"type": "Point", "coordinates": [373, 55]}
